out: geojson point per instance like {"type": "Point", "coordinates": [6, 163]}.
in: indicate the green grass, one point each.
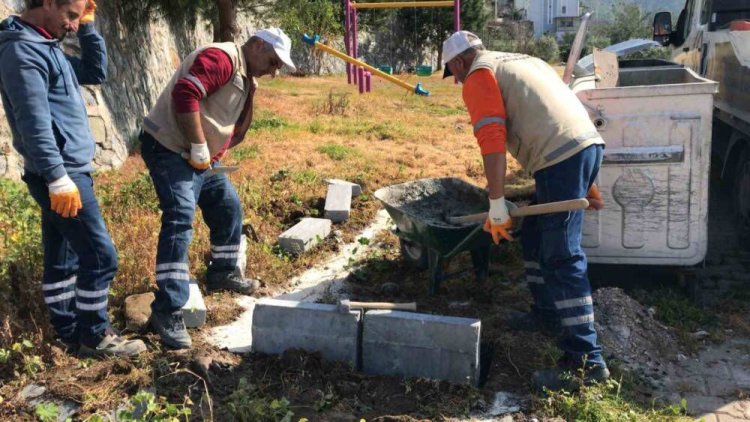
{"type": "Point", "coordinates": [336, 152]}
{"type": "Point", "coordinates": [245, 152]}
{"type": "Point", "coordinates": [268, 121]}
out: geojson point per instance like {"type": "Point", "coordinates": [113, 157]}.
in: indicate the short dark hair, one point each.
{"type": "Point", "coordinates": [33, 4]}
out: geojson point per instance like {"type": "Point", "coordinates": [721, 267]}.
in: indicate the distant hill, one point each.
{"type": "Point", "coordinates": [603, 8]}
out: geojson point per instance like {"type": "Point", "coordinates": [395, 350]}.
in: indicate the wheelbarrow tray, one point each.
{"type": "Point", "coordinates": [420, 207]}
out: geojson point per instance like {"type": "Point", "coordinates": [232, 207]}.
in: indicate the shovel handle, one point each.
{"type": "Point", "coordinates": [411, 306]}
{"type": "Point", "coordinates": [548, 208]}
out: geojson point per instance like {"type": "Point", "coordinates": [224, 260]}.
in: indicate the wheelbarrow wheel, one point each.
{"type": "Point", "coordinates": [415, 254]}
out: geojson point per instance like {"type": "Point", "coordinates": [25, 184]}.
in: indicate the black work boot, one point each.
{"type": "Point", "coordinates": [171, 328]}
{"type": "Point", "coordinates": [230, 280]}
{"type": "Point", "coordinates": [567, 377]}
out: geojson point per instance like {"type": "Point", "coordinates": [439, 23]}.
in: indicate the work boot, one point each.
{"type": "Point", "coordinates": [567, 377]}
{"type": "Point", "coordinates": [230, 280]}
{"type": "Point", "coordinates": [112, 344]}
{"type": "Point", "coordinates": [171, 328]}
{"type": "Point", "coordinates": [532, 321]}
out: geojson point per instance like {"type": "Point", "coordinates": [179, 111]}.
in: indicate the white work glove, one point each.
{"type": "Point", "coordinates": [64, 197]}
{"type": "Point", "coordinates": [498, 220]}
{"type": "Point", "coordinates": [200, 157]}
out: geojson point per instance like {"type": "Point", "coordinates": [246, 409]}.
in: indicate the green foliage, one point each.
{"type": "Point", "coordinates": [546, 49]}
{"type": "Point", "coordinates": [46, 411]}
{"type": "Point", "coordinates": [628, 21]}
{"type": "Point", "coordinates": [335, 151]}
{"type": "Point", "coordinates": [268, 122]}
{"type": "Point", "coordinates": [604, 402]}
{"type": "Point", "coordinates": [677, 310]}
{"type": "Point", "coordinates": [246, 404]}
{"type": "Point", "coordinates": [247, 152]}
{"type": "Point", "coordinates": [297, 17]}
{"type": "Point", "coordinates": [20, 359]}
{"type": "Point", "coordinates": [144, 406]}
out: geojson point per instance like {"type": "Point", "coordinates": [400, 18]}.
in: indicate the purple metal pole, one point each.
{"type": "Point", "coordinates": [361, 76]}
{"type": "Point", "coordinates": [347, 39]}
{"type": "Point", "coordinates": [368, 78]}
{"type": "Point", "coordinates": [457, 15]}
{"type": "Point", "coordinates": [353, 14]}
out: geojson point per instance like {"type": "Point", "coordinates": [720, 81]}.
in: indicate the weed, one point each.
{"type": "Point", "coordinates": [335, 152]}
{"type": "Point", "coordinates": [363, 241]}
{"type": "Point", "coordinates": [306, 177]}
{"type": "Point", "coordinates": [46, 411]}
{"type": "Point", "coordinates": [315, 126]}
{"type": "Point", "coordinates": [247, 404]}
{"type": "Point", "coordinates": [268, 122]}
{"type": "Point", "coordinates": [21, 360]}
{"type": "Point", "coordinates": [281, 174]}
{"type": "Point", "coordinates": [334, 104]}
{"type": "Point", "coordinates": [145, 406]}
{"type": "Point", "coordinates": [243, 153]}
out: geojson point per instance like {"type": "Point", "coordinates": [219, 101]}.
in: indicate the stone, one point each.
{"type": "Point", "coordinates": [194, 310]}
{"type": "Point", "coordinates": [356, 189]}
{"type": "Point", "coordinates": [305, 235]}
{"type": "Point", "coordinates": [281, 325]}
{"type": "Point", "coordinates": [31, 391]}
{"type": "Point", "coordinates": [338, 203]}
{"type": "Point", "coordinates": [699, 405]}
{"type": "Point", "coordinates": [138, 311]}
{"type": "Point", "coordinates": [421, 345]}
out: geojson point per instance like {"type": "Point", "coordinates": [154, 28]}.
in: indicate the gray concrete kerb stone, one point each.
{"type": "Point", "coordinates": [305, 235]}
{"type": "Point", "coordinates": [356, 189]}
{"type": "Point", "coordinates": [338, 202]}
{"type": "Point", "coordinates": [421, 345]}
{"type": "Point", "coordinates": [281, 325]}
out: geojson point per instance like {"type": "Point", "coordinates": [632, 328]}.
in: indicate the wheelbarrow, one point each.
{"type": "Point", "coordinates": [436, 219]}
{"type": "Point", "coordinates": [420, 209]}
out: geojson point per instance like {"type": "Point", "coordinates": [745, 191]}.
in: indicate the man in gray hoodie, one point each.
{"type": "Point", "coordinates": [39, 86]}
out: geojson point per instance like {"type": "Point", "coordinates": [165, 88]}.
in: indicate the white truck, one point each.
{"type": "Point", "coordinates": [712, 37]}
{"type": "Point", "coordinates": [656, 119]}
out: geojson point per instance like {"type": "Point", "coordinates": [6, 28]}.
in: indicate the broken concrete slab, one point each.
{"type": "Point", "coordinates": [338, 202]}
{"type": "Point", "coordinates": [194, 311]}
{"type": "Point", "coordinates": [421, 345]}
{"type": "Point", "coordinates": [280, 325]}
{"type": "Point", "coordinates": [356, 189]}
{"type": "Point", "coordinates": [138, 311]}
{"type": "Point", "coordinates": [304, 235]}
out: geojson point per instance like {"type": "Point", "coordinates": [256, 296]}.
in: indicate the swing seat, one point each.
{"type": "Point", "coordinates": [424, 70]}
{"type": "Point", "coordinates": [386, 69]}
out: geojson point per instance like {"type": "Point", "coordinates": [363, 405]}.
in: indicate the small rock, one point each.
{"type": "Point", "coordinates": [390, 289]}
{"type": "Point", "coordinates": [700, 334]}
{"type": "Point", "coordinates": [651, 311]}
{"type": "Point", "coordinates": [31, 391]}
{"type": "Point", "coordinates": [681, 357]}
{"type": "Point", "coordinates": [138, 311]}
{"type": "Point", "coordinates": [457, 305]}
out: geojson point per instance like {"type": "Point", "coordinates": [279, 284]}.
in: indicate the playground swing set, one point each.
{"type": "Point", "coordinates": [357, 71]}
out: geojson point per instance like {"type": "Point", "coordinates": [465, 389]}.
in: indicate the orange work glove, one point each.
{"type": "Point", "coordinates": [64, 197]}
{"type": "Point", "coordinates": [88, 12]}
{"type": "Point", "coordinates": [595, 198]}
{"type": "Point", "coordinates": [498, 220]}
{"type": "Point", "coordinates": [199, 157]}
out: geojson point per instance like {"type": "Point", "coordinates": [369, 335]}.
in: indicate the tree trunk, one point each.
{"type": "Point", "coordinates": [227, 17]}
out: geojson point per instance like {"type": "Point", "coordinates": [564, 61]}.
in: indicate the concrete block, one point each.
{"type": "Point", "coordinates": [194, 311]}
{"type": "Point", "coordinates": [356, 189]}
{"type": "Point", "coordinates": [338, 203]}
{"type": "Point", "coordinates": [305, 235]}
{"type": "Point", "coordinates": [280, 325]}
{"type": "Point", "coordinates": [421, 345]}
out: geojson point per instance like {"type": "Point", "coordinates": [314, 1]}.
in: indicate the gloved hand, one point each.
{"type": "Point", "coordinates": [199, 158]}
{"type": "Point", "coordinates": [595, 198]}
{"type": "Point", "coordinates": [64, 197]}
{"type": "Point", "coordinates": [498, 220]}
{"type": "Point", "coordinates": [88, 12]}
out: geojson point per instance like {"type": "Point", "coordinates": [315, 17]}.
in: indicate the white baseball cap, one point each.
{"type": "Point", "coordinates": [456, 44]}
{"type": "Point", "coordinates": [281, 43]}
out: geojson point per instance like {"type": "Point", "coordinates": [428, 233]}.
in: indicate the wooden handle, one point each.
{"type": "Point", "coordinates": [411, 306]}
{"type": "Point", "coordinates": [548, 208]}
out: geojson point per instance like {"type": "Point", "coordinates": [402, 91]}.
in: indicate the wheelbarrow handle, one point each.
{"type": "Point", "coordinates": [548, 208]}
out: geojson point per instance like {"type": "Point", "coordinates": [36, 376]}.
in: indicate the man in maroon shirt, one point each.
{"type": "Point", "coordinates": [205, 109]}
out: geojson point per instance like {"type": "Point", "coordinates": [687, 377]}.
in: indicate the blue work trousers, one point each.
{"type": "Point", "coordinates": [554, 260]}
{"type": "Point", "coordinates": [79, 263]}
{"type": "Point", "coordinates": [180, 188]}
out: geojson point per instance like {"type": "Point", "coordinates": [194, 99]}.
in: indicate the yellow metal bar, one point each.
{"type": "Point", "coordinates": [352, 60]}
{"type": "Point", "coordinates": [402, 4]}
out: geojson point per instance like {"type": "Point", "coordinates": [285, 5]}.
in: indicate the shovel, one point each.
{"type": "Point", "coordinates": [548, 208]}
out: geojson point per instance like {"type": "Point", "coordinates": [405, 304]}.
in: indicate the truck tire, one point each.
{"type": "Point", "coordinates": [741, 191]}
{"type": "Point", "coordinates": [415, 254]}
